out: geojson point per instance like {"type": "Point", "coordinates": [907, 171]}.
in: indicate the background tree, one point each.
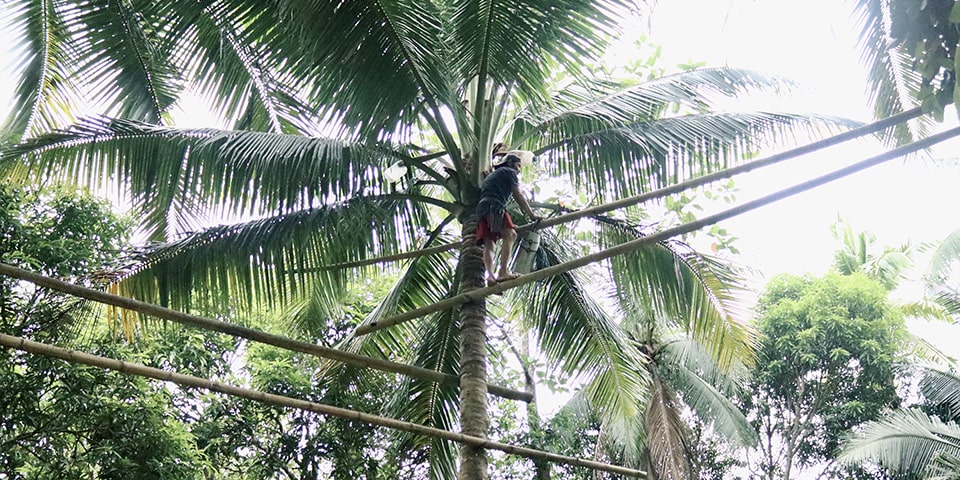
{"type": "Point", "coordinates": [61, 420]}
{"type": "Point", "coordinates": [923, 439]}
{"type": "Point", "coordinates": [826, 363]}
{"type": "Point", "coordinates": [858, 253]}
{"type": "Point", "coordinates": [360, 130]}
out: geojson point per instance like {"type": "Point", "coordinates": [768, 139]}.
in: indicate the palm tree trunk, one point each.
{"type": "Point", "coordinates": [474, 419]}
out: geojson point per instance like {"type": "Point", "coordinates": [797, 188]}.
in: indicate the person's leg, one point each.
{"type": "Point", "coordinates": [488, 260]}
{"type": "Point", "coordinates": [507, 238]}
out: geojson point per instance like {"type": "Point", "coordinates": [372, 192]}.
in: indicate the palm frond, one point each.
{"type": "Point", "coordinates": [600, 104]}
{"type": "Point", "coordinates": [652, 154]}
{"type": "Point", "coordinates": [577, 336]}
{"type": "Point", "coordinates": [431, 343]}
{"type": "Point", "coordinates": [517, 43]}
{"type": "Point", "coordinates": [924, 351]}
{"type": "Point", "coordinates": [237, 172]}
{"type": "Point", "coordinates": [220, 46]}
{"type": "Point", "coordinates": [670, 283]}
{"type": "Point", "coordinates": [259, 261]}
{"type": "Point", "coordinates": [904, 441]}
{"type": "Point", "coordinates": [944, 257]}
{"type": "Point", "coordinates": [666, 434]}
{"type": "Point", "coordinates": [426, 280]}
{"type": "Point", "coordinates": [893, 82]}
{"type": "Point", "coordinates": [693, 375]}
{"type": "Point", "coordinates": [121, 58]}
{"type": "Point", "coordinates": [942, 388]}
{"type": "Point", "coordinates": [42, 96]}
{"type": "Point", "coordinates": [351, 50]}
{"type": "Point", "coordinates": [431, 403]}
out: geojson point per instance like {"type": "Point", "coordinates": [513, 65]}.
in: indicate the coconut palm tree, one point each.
{"type": "Point", "coordinates": [360, 130]}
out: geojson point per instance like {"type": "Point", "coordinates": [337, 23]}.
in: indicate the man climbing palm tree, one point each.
{"type": "Point", "coordinates": [495, 222]}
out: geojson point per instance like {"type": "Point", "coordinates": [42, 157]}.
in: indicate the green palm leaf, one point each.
{"type": "Point", "coordinates": [673, 285]}
{"type": "Point", "coordinates": [942, 388]}
{"type": "Point", "coordinates": [230, 65]}
{"type": "Point", "coordinates": [905, 441]}
{"type": "Point", "coordinates": [121, 59]}
{"type": "Point", "coordinates": [576, 335]}
{"type": "Point", "coordinates": [260, 260]}
{"type": "Point", "coordinates": [893, 82]}
{"type": "Point", "coordinates": [432, 343]}
{"type": "Point", "coordinates": [690, 372]}
{"type": "Point", "coordinates": [517, 43]}
{"type": "Point", "coordinates": [659, 152]}
{"type": "Point", "coordinates": [588, 105]}
{"type": "Point", "coordinates": [431, 403]}
{"type": "Point", "coordinates": [42, 97]}
{"type": "Point", "coordinates": [395, 43]}
{"type": "Point", "coordinates": [235, 172]}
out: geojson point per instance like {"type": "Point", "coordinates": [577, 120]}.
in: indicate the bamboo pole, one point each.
{"type": "Point", "coordinates": [249, 333]}
{"type": "Point", "coordinates": [662, 192]}
{"type": "Point", "coordinates": [633, 245]}
{"type": "Point", "coordinates": [73, 356]}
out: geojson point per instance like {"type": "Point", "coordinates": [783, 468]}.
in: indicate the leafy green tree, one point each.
{"type": "Point", "coordinates": [826, 364]}
{"type": "Point", "coordinates": [361, 130]}
{"type": "Point", "coordinates": [59, 420]}
{"type": "Point", "coordinates": [56, 233]}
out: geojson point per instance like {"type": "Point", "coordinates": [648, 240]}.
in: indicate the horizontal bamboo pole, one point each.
{"type": "Point", "coordinates": [627, 247]}
{"type": "Point", "coordinates": [249, 333]}
{"type": "Point", "coordinates": [662, 192]}
{"type": "Point", "coordinates": [196, 382]}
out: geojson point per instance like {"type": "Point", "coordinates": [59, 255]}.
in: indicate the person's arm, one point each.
{"type": "Point", "coordinates": [522, 201]}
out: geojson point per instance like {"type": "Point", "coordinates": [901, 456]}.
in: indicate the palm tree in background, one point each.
{"type": "Point", "coordinates": [362, 130]}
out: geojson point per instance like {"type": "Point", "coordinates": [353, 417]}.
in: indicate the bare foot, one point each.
{"type": "Point", "coordinates": [508, 276]}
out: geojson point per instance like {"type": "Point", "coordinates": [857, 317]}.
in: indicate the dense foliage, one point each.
{"type": "Point", "coordinates": [825, 365]}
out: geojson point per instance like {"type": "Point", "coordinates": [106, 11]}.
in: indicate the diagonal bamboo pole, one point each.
{"type": "Point", "coordinates": [662, 192]}
{"type": "Point", "coordinates": [633, 245]}
{"type": "Point", "coordinates": [249, 333]}
{"type": "Point", "coordinates": [196, 382]}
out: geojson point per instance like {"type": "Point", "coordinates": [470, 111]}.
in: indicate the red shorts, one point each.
{"type": "Point", "coordinates": [484, 232]}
